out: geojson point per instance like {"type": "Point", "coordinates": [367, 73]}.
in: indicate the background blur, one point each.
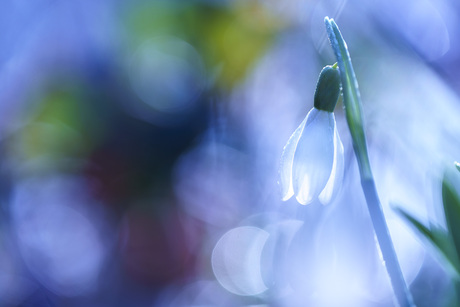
{"type": "Point", "coordinates": [140, 142]}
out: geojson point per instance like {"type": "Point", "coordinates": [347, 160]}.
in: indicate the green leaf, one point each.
{"type": "Point", "coordinates": [437, 238]}
{"type": "Point", "coordinates": [451, 202]}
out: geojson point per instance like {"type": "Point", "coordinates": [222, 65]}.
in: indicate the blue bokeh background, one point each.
{"type": "Point", "coordinates": [140, 145]}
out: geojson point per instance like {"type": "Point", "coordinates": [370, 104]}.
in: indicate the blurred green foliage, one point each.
{"type": "Point", "coordinates": [444, 242]}
{"type": "Point", "coordinates": [60, 127]}
{"type": "Point", "coordinates": [230, 39]}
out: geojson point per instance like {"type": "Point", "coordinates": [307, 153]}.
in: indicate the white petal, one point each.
{"type": "Point", "coordinates": [314, 156]}
{"type": "Point", "coordinates": [335, 180]}
{"type": "Point", "coordinates": [286, 162]}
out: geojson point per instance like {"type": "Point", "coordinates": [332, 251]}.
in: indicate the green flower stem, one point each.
{"type": "Point", "coordinates": [353, 110]}
{"type": "Point", "coordinates": [386, 245]}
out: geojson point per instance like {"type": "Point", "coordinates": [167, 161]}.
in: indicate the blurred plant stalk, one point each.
{"type": "Point", "coordinates": [353, 111]}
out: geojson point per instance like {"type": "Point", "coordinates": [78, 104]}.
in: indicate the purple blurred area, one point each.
{"type": "Point", "coordinates": [140, 144]}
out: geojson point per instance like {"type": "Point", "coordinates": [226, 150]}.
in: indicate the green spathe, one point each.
{"type": "Point", "coordinates": [327, 89]}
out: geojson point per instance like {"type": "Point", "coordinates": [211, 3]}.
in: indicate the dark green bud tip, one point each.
{"type": "Point", "coordinates": [327, 89]}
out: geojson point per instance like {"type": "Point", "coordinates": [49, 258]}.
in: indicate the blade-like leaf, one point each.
{"type": "Point", "coordinates": [439, 240]}
{"type": "Point", "coordinates": [351, 96]}
{"type": "Point", "coordinates": [451, 202]}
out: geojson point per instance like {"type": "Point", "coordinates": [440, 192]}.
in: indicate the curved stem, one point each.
{"type": "Point", "coordinates": [353, 110]}
{"type": "Point", "coordinates": [386, 245]}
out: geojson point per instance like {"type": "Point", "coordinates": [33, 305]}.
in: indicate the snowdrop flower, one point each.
{"type": "Point", "coordinates": [312, 161]}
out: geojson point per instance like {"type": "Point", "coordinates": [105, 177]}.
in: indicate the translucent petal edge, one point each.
{"type": "Point", "coordinates": [314, 157]}
{"type": "Point", "coordinates": [334, 183]}
{"type": "Point", "coordinates": [287, 158]}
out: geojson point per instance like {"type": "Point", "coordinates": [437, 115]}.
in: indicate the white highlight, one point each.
{"type": "Point", "coordinates": [236, 260]}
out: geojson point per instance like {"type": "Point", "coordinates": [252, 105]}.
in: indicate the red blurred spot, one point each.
{"type": "Point", "coordinates": [157, 249]}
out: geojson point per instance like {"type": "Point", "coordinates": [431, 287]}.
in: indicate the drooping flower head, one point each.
{"type": "Point", "coordinates": [312, 161]}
